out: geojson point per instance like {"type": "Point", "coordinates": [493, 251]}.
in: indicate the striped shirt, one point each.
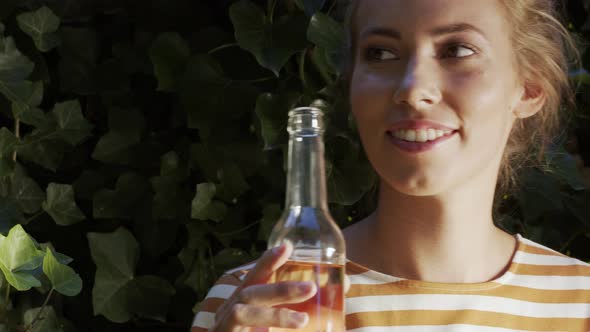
{"type": "Point", "coordinates": [542, 290]}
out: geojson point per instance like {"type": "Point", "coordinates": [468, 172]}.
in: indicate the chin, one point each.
{"type": "Point", "coordinates": [416, 184]}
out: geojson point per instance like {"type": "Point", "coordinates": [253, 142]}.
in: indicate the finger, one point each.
{"type": "Point", "coordinates": [250, 315]}
{"type": "Point", "coordinates": [269, 262]}
{"type": "Point", "coordinates": [278, 293]}
{"type": "Point", "coordinates": [346, 284]}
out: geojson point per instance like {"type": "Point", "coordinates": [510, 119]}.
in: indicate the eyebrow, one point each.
{"type": "Point", "coordinates": [438, 31]}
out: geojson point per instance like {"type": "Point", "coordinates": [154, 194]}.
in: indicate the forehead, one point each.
{"type": "Point", "coordinates": [416, 16]}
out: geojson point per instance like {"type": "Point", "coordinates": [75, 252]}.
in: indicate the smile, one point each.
{"type": "Point", "coordinates": [412, 146]}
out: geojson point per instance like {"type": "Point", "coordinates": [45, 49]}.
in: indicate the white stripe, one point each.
{"type": "Point", "coordinates": [547, 282]}
{"type": "Point", "coordinates": [536, 259]}
{"type": "Point", "coordinates": [204, 320]}
{"type": "Point", "coordinates": [240, 268]}
{"type": "Point", "coordinates": [371, 278]}
{"type": "Point", "coordinates": [221, 291]}
{"type": "Point", "coordinates": [466, 302]}
{"type": "Point", "coordinates": [437, 328]}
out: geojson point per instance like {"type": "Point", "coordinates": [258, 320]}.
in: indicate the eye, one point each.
{"type": "Point", "coordinates": [379, 54]}
{"type": "Point", "coordinates": [459, 51]}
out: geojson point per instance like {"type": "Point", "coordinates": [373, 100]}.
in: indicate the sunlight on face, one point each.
{"type": "Point", "coordinates": [447, 61]}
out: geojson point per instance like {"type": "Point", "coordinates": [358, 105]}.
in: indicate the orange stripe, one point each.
{"type": "Point", "coordinates": [552, 270]}
{"type": "Point", "coordinates": [472, 317]}
{"type": "Point", "coordinates": [211, 304]}
{"type": "Point", "coordinates": [511, 292]}
{"type": "Point", "coordinates": [198, 329]}
{"type": "Point", "coordinates": [539, 251]}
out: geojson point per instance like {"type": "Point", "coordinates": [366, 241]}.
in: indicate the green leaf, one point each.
{"type": "Point", "coordinates": [270, 215]}
{"type": "Point", "coordinates": [110, 296]}
{"type": "Point", "coordinates": [539, 194]}
{"type": "Point", "coordinates": [41, 25]}
{"type": "Point", "coordinates": [271, 43]}
{"type": "Point", "coordinates": [79, 50]}
{"type": "Point", "coordinates": [326, 32]}
{"type": "Point", "coordinates": [14, 69]}
{"type": "Point", "coordinates": [73, 127]}
{"type": "Point", "coordinates": [230, 257]}
{"type": "Point", "coordinates": [150, 297]}
{"type": "Point", "coordinates": [10, 214]}
{"type": "Point", "coordinates": [329, 36]}
{"type": "Point", "coordinates": [312, 6]}
{"type": "Point", "coordinates": [63, 278]}
{"type": "Point", "coordinates": [126, 128]}
{"type": "Point", "coordinates": [46, 322]}
{"type": "Point", "coordinates": [44, 148]}
{"type": "Point", "coordinates": [169, 53]}
{"type": "Point", "coordinates": [27, 111]}
{"type": "Point", "coordinates": [61, 206]}
{"type": "Point", "coordinates": [26, 192]}
{"type": "Point", "coordinates": [116, 252]}
{"type": "Point", "coordinates": [203, 205]}
{"type": "Point", "coordinates": [7, 143]}
{"type": "Point", "coordinates": [18, 256]}
{"type": "Point", "coordinates": [130, 189]}
{"type": "Point", "coordinates": [563, 164]}
{"type": "Point", "coordinates": [233, 183]}
{"type": "Point", "coordinates": [272, 111]}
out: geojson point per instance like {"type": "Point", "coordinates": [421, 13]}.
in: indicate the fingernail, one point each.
{"type": "Point", "coordinates": [303, 287]}
{"type": "Point", "coordinates": [300, 318]}
{"type": "Point", "coordinates": [279, 249]}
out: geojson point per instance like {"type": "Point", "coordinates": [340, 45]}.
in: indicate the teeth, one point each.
{"type": "Point", "coordinates": [420, 135]}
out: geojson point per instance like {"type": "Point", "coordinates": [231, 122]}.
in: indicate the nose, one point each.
{"type": "Point", "coordinates": [418, 87]}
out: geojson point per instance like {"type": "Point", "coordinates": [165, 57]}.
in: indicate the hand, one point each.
{"type": "Point", "coordinates": [250, 306]}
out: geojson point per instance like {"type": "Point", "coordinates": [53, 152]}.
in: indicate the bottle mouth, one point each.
{"type": "Point", "coordinates": [306, 121]}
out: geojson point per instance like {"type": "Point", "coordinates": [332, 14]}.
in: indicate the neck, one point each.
{"type": "Point", "coordinates": [441, 238]}
{"type": "Point", "coordinates": [306, 183]}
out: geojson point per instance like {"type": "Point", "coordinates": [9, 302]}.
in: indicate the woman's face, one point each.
{"type": "Point", "coordinates": [449, 62]}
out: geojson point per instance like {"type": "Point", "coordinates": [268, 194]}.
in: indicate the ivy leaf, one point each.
{"type": "Point", "coordinates": [203, 205]}
{"type": "Point", "coordinates": [60, 205]}
{"type": "Point", "coordinates": [79, 50]}
{"type": "Point", "coordinates": [14, 69]}
{"type": "Point", "coordinates": [47, 320]}
{"type": "Point", "coordinates": [126, 128]}
{"type": "Point", "coordinates": [73, 127]}
{"type": "Point", "coordinates": [272, 111]}
{"type": "Point", "coordinates": [329, 36]}
{"type": "Point", "coordinates": [563, 164]}
{"type": "Point", "coordinates": [18, 256]}
{"type": "Point", "coordinates": [169, 53]}
{"type": "Point", "coordinates": [7, 143]}
{"type": "Point", "coordinates": [10, 214]}
{"type": "Point", "coordinates": [233, 183]}
{"type": "Point", "coordinates": [117, 294]}
{"type": "Point", "coordinates": [117, 252]}
{"type": "Point", "coordinates": [230, 257]}
{"type": "Point", "coordinates": [270, 215]}
{"type": "Point", "coordinates": [130, 189]}
{"type": "Point", "coordinates": [26, 191]}
{"type": "Point", "coordinates": [27, 111]}
{"type": "Point", "coordinates": [44, 148]}
{"type": "Point", "coordinates": [150, 297]}
{"type": "Point", "coordinates": [539, 194]}
{"type": "Point", "coordinates": [63, 278]}
{"type": "Point", "coordinates": [41, 25]}
{"type": "Point", "coordinates": [271, 43]}
{"type": "Point", "coordinates": [312, 6]}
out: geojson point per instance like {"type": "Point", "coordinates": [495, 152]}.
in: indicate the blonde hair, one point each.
{"type": "Point", "coordinates": [544, 48]}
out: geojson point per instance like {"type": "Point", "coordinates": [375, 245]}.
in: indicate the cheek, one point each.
{"type": "Point", "coordinates": [368, 94]}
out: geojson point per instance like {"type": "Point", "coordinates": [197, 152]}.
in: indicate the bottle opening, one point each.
{"type": "Point", "coordinates": [306, 121]}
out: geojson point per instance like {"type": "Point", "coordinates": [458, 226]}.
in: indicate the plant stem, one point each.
{"type": "Point", "coordinates": [271, 10]}
{"type": "Point", "coordinates": [302, 68]}
{"type": "Point", "coordinates": [239, 230]}
{"type": "Point", "coordinates": [221, 47]}
{"type": "Point", "coordinates": [38, 315]}
{"type": "Point", "coordinates": [17, 134]}
{"type": "Point", "coordinates": [7, 295]}
{"type": "Point", "coordinates": [35, 216]}
{"type": "Point", "coordinates": [258, 80]}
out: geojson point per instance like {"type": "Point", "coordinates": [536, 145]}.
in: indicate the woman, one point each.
{"type": "Point", "coordinates": [483, 81]}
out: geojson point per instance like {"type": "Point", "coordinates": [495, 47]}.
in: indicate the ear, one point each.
{"type": "Point", "coordinates": [531, 101]}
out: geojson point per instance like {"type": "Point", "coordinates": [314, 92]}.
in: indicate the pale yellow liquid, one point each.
{"type": "Point", "coordinates": [326, 307]}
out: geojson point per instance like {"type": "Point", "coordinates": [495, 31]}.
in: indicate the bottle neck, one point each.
{"type": "Point", "coordinates": [306, 179]}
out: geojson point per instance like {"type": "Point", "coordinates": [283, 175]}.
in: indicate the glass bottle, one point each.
{"type": "Point", "coordinates": [318, 244]}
